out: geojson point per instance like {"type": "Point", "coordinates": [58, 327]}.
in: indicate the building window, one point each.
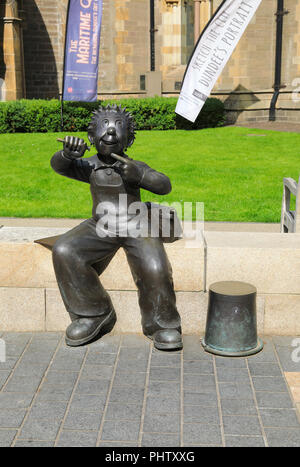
{"type": "Point", "coordinates": [187, 30]}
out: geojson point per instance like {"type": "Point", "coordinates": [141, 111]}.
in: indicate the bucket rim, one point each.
{"type": "Point", "coordinates": [223, 353]}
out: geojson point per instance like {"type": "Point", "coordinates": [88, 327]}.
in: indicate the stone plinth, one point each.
{"type": "Point", "coordinates": [30, 299]}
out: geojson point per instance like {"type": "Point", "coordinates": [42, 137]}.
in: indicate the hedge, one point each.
{"type": "Point", "coordinates": [158, 113]}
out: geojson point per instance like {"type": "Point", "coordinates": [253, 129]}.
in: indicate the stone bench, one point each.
{"type": "Point", "coordinates": [30, 299]}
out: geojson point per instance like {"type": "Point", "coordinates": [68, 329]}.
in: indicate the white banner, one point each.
{"type": "Point", "coordinates": [212, 52]}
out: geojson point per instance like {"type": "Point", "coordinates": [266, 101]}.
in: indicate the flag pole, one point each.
{"type": "Point", "coordinates": [63, 75]}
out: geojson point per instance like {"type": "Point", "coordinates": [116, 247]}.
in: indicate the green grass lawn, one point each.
{"type": "Point", "coordinates": [237, 176]}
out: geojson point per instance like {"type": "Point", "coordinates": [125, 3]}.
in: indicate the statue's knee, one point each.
{"type": "Point", "coordinates": [156, 274]}
{"type": "Point", "coordinates": [62, 251]}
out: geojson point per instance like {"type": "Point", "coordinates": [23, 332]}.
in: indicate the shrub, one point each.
{"type": "Point", "coordinates": [157, 113]}
{"type": "Point", "coordinates": [211, 115]}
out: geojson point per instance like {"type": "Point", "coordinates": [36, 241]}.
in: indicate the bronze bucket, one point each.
{"type": "Point", "coordinates": [231, 326]}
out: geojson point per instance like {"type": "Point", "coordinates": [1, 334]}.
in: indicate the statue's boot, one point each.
{"type": "Point", "coordinates": [83, 330]}
{"type": "Point", "coordinates": [167, 339]}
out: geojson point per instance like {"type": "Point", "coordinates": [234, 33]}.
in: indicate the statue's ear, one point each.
{"type": "Point", "coordinates": [130, 142]}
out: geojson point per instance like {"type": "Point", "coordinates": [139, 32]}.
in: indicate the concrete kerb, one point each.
{"type": "Point", "coordinates": [69, 223]}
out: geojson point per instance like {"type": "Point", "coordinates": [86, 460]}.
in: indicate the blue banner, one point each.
{"type": "Point", "coordinates": [82, 50]}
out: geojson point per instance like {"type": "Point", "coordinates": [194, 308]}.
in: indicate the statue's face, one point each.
{"type": "Point", "coordinates": [112, 134]}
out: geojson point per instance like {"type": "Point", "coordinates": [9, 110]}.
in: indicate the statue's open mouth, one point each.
{"type": "Point", "coordinates": [110, 142]}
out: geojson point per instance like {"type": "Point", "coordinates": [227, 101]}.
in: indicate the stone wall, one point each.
{"type": "Point", "coordinates": [249, 74]}
{"type": "Point", "coordinates": [11, 55]}
{"type": "Point", "coordinates": [42, 48]}
{"type": "Point", "coordinates": [246, 84]}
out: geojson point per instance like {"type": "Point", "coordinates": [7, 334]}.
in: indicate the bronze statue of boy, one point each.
{"type": "Point", "coordinates": [83, 253]}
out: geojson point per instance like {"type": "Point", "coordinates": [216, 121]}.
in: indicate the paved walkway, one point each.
{"type": "Point", "coordinates": [119, 391]}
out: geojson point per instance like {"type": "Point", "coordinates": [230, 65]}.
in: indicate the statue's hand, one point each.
{"type": "Point", "coordinates": [74, 148]}
{"type": "Point", "coordinates": [128, 169]}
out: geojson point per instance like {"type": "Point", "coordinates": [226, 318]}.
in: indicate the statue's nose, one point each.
{"type": "Point", "coordinates": [111, 131]}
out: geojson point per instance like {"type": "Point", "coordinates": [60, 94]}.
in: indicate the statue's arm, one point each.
{"type": "Point", "coordinates": [79, 169]}
{"type": "Point", "coordinates": [154, 181]}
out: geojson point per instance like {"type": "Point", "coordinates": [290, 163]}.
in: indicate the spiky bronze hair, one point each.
{"type": "Point", "coordinates": [112, 109]}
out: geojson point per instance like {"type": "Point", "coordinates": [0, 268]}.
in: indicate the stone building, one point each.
{"type": "Point", "coordinates": [140, 57]}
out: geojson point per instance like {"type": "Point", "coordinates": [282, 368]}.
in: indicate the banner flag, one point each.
{"type": "Point", "coordinates": [212, 51]}
{"type": "Point", "coordinates": [82, 50]}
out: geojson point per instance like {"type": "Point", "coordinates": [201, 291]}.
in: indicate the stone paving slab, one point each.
{"type": "Point", "coordinates": [120, 391]}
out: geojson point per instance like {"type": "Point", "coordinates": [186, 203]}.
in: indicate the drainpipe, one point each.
{"type": "Point", "coordinates": [152, 36]}
{"type": "Point", "coordinates": [278, 59]}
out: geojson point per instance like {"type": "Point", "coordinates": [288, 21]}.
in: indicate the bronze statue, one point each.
{"type": "Point", "coordinates": [83, 253]}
